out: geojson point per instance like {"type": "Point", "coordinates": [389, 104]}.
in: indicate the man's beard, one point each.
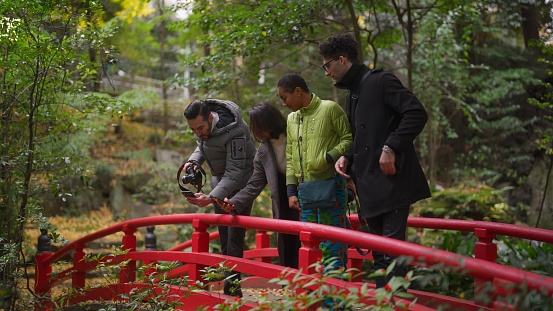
{"type": "Point", "coordinates": [206, 136]}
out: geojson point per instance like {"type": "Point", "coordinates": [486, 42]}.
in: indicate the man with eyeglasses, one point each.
{"type": "Point", "coordinates": [385, 118]}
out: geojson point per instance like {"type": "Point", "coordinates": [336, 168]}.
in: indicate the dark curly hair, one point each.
{"type": "Point", "coordinates": [339, 45]}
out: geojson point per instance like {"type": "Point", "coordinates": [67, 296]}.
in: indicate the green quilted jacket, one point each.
{"type": "Point", "coordinates": [323, 129]}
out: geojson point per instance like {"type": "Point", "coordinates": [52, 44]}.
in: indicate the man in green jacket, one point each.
{"type": "Point", "coordinates": [318, 134]}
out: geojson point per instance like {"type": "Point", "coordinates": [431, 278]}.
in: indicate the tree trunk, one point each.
{"type": "Point", "coordinates": [530, 23]}
{"type": "Point", "coordinates": [163, 77]}
{"type": "Point", "coordinates": [409, 28]}
{"type": "Point", "coordinates": [356, 30]}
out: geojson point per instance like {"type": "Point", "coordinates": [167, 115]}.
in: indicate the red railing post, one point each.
{"type": "Point", "coordinates": [309, 253]}
{"type": "Point", "coordinates": [262, 240]}
{"type": "Point", "coordinates": [42, 271]}
{"type": "Point", "coordinates": [128, 271]}
{"type": "Point", "coordinates": [79, 275]}
{"type": "Point", "coordinates": [357, 264]}
{"type": "Point", "coordinates": [503, 288]}
{"type": "Point", "coordinates": [200, 244]}
{"type": "Point", "coordinates": [484, 249]}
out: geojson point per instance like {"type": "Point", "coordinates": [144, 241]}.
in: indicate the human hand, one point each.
{"type": "Point", "coordinates": [199, 199]}
{"type": "Point", "coordinates": [341, 166]}
{"type": "Point", "coordinates": [186, 165]}
{"type": "Point", "coordinates": [225, 205]}
{"type": "Point", "coordinates": [351, 185]}
{"type": "Point", "coordinates": [293, 202]}
{"type": "Point", "coordinates": [387, 163]}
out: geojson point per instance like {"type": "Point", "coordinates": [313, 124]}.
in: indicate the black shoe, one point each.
{"type": "Point", "coordinates": [232, 289]}
{"type": "Point", "coordinates": [235, 293]}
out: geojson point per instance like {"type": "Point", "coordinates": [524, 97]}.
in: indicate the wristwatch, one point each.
{"type": "Point", "coordinates": [387, 149]}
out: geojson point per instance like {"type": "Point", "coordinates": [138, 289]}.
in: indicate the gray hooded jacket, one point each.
{"type": "Point", "coordinates": [229, 150]}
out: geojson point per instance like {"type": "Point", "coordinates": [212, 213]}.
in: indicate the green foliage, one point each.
{"type": "Point", "coordinates": [487, 100]}
{"type": "Point", "coordinates": [466, 201]}
{"type": "Point", "coordinates": [43, 74]}
{"type": "Point", "coordinates": [529, 256]}
{"type": "Point", "coordinates": [144, 46]}
{"type": "Point", "coordinates": [305, 291]}
{"type": "Point", "coordinates": [493, 96]}
{"type": "Point", "coordinates": [445, 281]}
{"type": "Point", "coordinates": [161, 187]}
{"type": "Point", "coordinates": [156, 295]}
{"type": "Point", "coordinates": [467, 67]}
{"type": "Point", "coordinates": [217, 275]}
{"type": "Point", "coordinates": [544, 103]}
{"type": "Point", "coordinates": [140, 98]}
{"type": "Point", "coordinates": [237, 42]}
{"type": "Point", "coordinates": [302, 291]}
{"type": "Point", "coordinates": [440, 73]}
{"type": "Point", "coordinates": [165, 299]}
{"type": "Point", "coordinates": [521, 299]}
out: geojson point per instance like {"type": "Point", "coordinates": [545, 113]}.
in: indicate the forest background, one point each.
{"type": "Point", "coordinates": [92, 95]}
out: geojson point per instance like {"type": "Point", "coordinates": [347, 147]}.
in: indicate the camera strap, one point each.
{"type": "Point", "coordinates": [198, 186]}
{"type": "Point", "coordinates": [363, 225]}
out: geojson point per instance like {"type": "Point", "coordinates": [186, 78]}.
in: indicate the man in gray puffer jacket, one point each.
{"type": "Point", "coordinates": [225, 144]}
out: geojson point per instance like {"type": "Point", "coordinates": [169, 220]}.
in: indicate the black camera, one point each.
{"type": "Point", "coordinates": [193, 177]}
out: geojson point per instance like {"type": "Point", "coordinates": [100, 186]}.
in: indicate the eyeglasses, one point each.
{"type": "Point", "coordinates": [325, 66]}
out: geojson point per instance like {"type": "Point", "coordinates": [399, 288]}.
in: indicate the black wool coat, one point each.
{"type": "Point", "coordinates": [386, 113]}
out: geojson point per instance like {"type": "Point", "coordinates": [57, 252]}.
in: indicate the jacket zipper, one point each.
{"type": "Point", "coordinates": [205, 156]}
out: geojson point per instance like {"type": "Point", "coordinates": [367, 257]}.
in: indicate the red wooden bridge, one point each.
{"type": "Point", "coordinates": [256, 263]}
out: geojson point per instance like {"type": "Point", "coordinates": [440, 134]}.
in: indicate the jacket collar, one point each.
{"type": "Point", "coordinates": [352, 78]}
{"type": "Point", "coordinates": [313, 105]}
{"type": "Point", "coordinates": [228, 115]}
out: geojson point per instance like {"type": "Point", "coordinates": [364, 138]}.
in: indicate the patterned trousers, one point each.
{"type": "Point", "coordinates": [334, 253]}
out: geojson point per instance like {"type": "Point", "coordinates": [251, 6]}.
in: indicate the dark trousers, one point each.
{"type": "Point", "coordinates": [288, 245]}
{"type": "Point", "coordinates": [393, 225]}
{"type": "Point", "coordinates": [232, 244]}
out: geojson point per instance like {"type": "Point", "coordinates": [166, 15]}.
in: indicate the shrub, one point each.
{"type": "Point", "coordinates": [465, 201]}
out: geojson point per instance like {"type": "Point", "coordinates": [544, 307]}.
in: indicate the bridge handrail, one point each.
{"type": "Point", "coordinates": [473, 267]}
{"type": "Point", "coordinates": [517, 231]}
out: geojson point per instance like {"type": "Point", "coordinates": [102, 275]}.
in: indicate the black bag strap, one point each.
{"type": "Point", "coordinates": [359, 250]}
{"type": "Point", "coordinates": [349, 226]}
{"type": "Point", "coordinates": [299, 150]}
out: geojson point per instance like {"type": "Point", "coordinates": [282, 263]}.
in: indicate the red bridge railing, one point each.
{"type": "Point", "coordinates": [482, 268]}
